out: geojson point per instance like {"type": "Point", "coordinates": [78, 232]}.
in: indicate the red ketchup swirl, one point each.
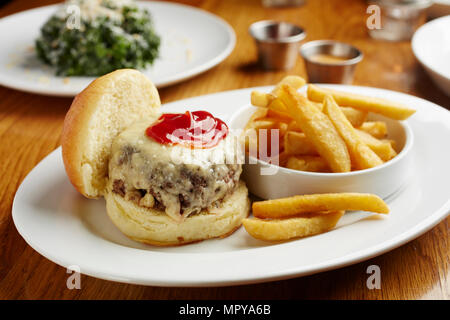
{"type": "Point", "coordinates": [197, 129]}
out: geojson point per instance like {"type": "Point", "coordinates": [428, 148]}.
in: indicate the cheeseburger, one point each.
{"type": "Point", "coordinates": [167, 178]}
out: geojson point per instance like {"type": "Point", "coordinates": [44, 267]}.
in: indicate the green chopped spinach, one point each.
{"type": "Point", "coordinates": [99, 46]}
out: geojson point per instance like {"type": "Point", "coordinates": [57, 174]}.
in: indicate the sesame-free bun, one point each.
{"type": "Point", "coordinates": [155, 227]}
{"type": "Point", "coordinates": [97, 115]}
{"type": "Point", "coordinates": [103, 110]}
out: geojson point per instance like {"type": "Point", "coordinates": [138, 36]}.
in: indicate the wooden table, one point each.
{"type": "Point", "coordinates": [30, 127]}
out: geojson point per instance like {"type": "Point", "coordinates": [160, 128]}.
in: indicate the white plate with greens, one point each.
{"type": "Point", "coordinates": [192, 41]}
{"type": "Point", "coordinates": [71, 230]}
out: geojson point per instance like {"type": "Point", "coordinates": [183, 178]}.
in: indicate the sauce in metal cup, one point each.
{"type": "Point", "coordinates": [329, 61]}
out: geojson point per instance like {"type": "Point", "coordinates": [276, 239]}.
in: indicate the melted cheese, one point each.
{"type": "Point", "coordinates": [200, 177]}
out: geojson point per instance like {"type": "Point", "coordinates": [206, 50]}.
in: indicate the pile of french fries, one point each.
{"type": "Point", "coordinates": [306, 215]}
{"type": "Point", "coordinates": [322, 131]}
{"type": "Point", "coordinates": [325, 130]}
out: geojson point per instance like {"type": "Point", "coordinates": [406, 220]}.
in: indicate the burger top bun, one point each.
{"type": "Point", "coordinates": [97, 115]}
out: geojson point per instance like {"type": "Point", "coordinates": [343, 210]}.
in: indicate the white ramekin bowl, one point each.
{"type": "Point", "coordinates": [383, 180]}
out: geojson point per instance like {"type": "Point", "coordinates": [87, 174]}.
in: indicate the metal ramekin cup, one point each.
{"type": "Point", "coordinates": [336, 72]}
{"type": "Point", "coordinates": [277, 43]}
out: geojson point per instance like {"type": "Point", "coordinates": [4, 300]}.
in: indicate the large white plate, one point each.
{"type": "Point", "coordinates": [192, 41]}
{"type": "Point", "coordinates": [431, 46]}
{"type": "Point", "coordinates": [71, 230]}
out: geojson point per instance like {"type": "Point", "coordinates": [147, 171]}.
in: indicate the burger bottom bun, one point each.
{"type": "Point", "coordinates": [154, 227]}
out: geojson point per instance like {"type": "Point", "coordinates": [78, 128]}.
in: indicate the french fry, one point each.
{"type": "Point", "coordinates": [261, 99]}
{"type": "Point", "coordinates": [285, 229]}
{"type": "Point", "coordinates": [319, 105]}
{"type": "Point", "coordinates": [268, 101]}
{"type": "Point", "coordinates": [270, 124]}
{"type": "Point", "coordinates": [293, 126]}
{"type": "Point", "coordinates": [377, 129]}
{"type": "Point", "coordinates": [296, 143]}
{"type": "Point", "coordinates": [258, 114]}
{"type": "Point", "coordinates": [356, 117]}
{"type": "Point", "coordinates": [318, 129]}
{"type": "Point", "coordinates": [283, 127]}
{"type": "Point", "coordinates": [263, 123]}
{"type": "Point", "coordinates": [278, 106]}
{"type": "Point", "coordinates": [294, 82]}
{"type": "Point", "coordinates": [362, 156]}
{"type": "Point", "coordinates": [392, 142]}
{"type": "Point", "coordinates": [383, 148]}
{"type": "Point", "coordinates": [307, 163]}
{"type": "Point", "coordinates": [390, 109]}
{"type": "Point", "coordinates": [271, 113]}
{"type": "Point", "coordinates": [296, 205]}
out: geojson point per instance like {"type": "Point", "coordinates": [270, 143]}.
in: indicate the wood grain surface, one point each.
{"type": "Point", "coordinates": [30, 127]}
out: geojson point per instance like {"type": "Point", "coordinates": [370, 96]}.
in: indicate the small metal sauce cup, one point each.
{"type": "Point", "coordinates": [335, 72]}
{"type": "Point", "coordinates": [277, 43]}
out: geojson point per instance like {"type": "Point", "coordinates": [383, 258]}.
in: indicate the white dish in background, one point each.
{"type": "Point", "coordinates": [431, 46]}
{"type": "Point", "coordinates": [71, 230]}
{"type": "Point", "coordinates": [383, 180]}
{"type": "Point", "coordinates": [192, 41]}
